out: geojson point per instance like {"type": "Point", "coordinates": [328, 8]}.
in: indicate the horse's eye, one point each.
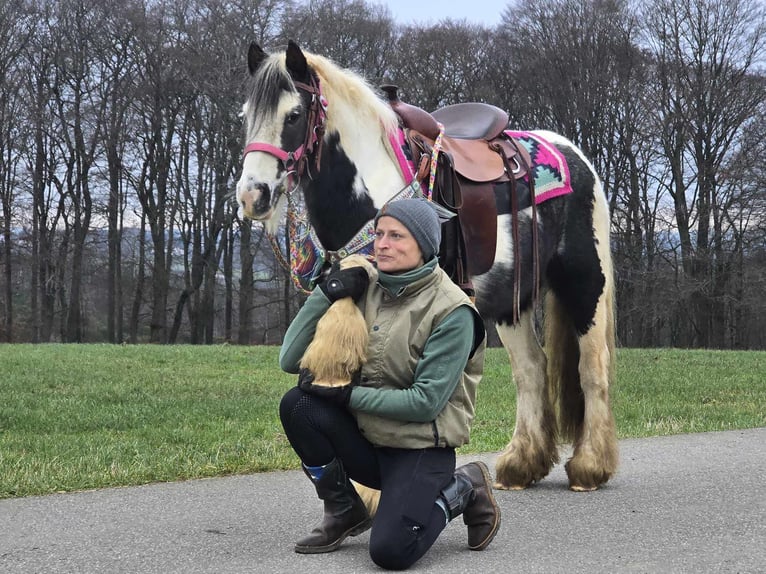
{"type": "Point", "coordinates": [293, 117]}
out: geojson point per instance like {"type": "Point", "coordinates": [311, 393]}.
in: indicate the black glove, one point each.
{"type": "Point", "coordinates": [351, 282]}
{"type": "Point", "coordinates": [338, 395]}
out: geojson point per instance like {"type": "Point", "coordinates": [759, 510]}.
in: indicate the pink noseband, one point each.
{"type": "Point", "coordinates": [279, 153]}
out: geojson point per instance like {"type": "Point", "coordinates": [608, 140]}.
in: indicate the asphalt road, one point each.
{"type": "Point", "coordinates": [690, 503]}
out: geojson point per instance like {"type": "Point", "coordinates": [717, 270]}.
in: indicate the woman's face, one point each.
{"type": "Point", "coordinates": [396, 250]}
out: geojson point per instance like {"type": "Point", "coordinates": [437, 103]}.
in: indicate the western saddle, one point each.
{"type": "Point", "coordinates": [476, 154]}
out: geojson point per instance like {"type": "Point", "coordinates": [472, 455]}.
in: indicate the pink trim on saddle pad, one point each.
{"type": "Point", "coordinates": [549, 166]}
{"type": "Point", "coordinates": [406, 167]}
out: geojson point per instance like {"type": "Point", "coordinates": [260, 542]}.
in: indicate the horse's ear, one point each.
{"type": "Point", "coordinates": [255, 57]}
{"type": "Point", "coordinates": [296, 61]}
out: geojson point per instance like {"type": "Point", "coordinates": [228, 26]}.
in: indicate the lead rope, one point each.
{"type": "Point", "coordinates": [290, 236]}
{"type": "Point", "coordinates": [435, 160]}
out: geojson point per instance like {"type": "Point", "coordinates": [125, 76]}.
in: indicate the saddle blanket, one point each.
{"type": "Point", "coordinates": [549, 167]}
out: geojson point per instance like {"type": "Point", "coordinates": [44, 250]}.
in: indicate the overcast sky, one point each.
{"type": "Point", "coordinates": [485, 12]}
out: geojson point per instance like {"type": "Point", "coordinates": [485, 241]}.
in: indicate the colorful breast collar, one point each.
{"type": "Point", "coordinates": [307, 255]}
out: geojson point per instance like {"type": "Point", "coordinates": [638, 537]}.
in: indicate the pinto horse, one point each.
{"type": "Point", "coordinates": [314, 127]}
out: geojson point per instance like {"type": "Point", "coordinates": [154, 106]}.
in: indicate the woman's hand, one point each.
{"type": "Point", "coordinates": [351, 282]}
{"type": "Point", "coordinates": [338, 395]}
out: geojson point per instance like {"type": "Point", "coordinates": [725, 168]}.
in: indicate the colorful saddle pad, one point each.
{"type": "Point", "coordinates": [549, 166]}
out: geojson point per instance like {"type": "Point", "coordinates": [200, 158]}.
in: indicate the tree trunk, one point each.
{"type": "Point", "coordinates": [158, 326]}
{"type": "Point", "coordinates": [113, 242]}
{"type": "Point", "coordinates": [7, 195]}
{"type": "Point", "coordinates": [228, 273]}
{"type": "Point", "coordinates": [245, 281]}
{"type": "Point", "coordinates": [138, 294]}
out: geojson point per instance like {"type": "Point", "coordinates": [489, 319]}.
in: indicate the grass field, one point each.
{"type": "Point", "coordinates": [76, 417]}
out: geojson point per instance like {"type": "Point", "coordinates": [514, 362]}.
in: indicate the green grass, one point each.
{"type": "Point", "coordinates": [76, 417]}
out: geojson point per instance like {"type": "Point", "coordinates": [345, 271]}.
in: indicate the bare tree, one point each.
{"type": "Point", "coordinates": [571, 62]}
{"type": "Point", "coordinates": [118, 70]}
{"type": "Point", "coordinates": [117, 171]}
{"type": "Point", "coordinates": [444, 64]}
{"type": "Point", "coordinates": [575, 67]}
{"type": "Point", "coordinates": [743, 232]}
{"type": "Point", "coordinates": [79, 110]}
{"type": "Point", "coordinates": [158, 105]}
{"type": "Point", "coordinates": [42, 162]}
{"type": "Point", "coordinates": [353, 33]}
{"type": "Point", "coordinates": [15, 33]}
{"type": "Point", "coordinates": [706, 52]}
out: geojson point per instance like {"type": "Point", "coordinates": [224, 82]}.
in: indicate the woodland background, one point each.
{"type": "Point", "coordinates": [120, 145]}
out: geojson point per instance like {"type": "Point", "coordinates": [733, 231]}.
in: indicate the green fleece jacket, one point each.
{"type": "Point", "coordinates": [438, 371]}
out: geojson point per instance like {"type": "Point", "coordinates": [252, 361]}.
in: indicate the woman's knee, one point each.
{"type": "Point", "coordinates": [396, 549]}
{"type": "Point", "coordinates": [288, 404]}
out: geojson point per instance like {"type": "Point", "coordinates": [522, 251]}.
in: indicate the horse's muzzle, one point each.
{"type": "Point", "coordinates": [253, 198]}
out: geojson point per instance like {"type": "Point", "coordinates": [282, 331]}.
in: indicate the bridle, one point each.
{"type": "Point", "coordinates": [294, 162]}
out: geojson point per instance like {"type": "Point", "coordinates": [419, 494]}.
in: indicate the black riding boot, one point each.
{"type": "Point", "coordinates": [470, 494]}
{"type": "Point", "coordinates": [344, 512]}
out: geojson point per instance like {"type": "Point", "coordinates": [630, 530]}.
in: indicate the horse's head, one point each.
{"type": "Point", "coordinates": [284, 121]}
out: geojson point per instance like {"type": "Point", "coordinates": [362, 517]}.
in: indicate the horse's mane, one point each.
{"type": "Point", "coordinates": [266, 87]}
{"type": "Point", "coordinates": [342, 85]}
{"type": "Point", "coordinates": [352, 103]}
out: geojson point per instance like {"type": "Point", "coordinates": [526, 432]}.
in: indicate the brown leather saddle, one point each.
{"type": "Point", "coordinates": [477, 154]}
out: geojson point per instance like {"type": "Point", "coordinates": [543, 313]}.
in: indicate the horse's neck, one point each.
{"type": "Point", "coordinates": [365, 142]}
{"type": "Point", "coordinates": [357, 176]}
{"type": "Point", "coordinates": [334, 211]}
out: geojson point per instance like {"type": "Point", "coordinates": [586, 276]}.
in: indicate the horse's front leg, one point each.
{"type": "Point", "coordinates": [532, 451]}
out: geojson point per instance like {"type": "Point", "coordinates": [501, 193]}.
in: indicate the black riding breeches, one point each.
{"type": "Point", "coordinates": [408, 520]}
{"type": "Point", "coordinates": [320, 431]}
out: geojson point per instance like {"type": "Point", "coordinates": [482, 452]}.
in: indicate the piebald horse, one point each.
{"type": "Point", "coordinates": [316, 128]}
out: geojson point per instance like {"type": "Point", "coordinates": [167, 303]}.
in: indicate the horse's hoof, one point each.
{"type": "Point", "coordinates": [578, 488]}
{"type": "Point", "coordinates": [518, 467]}
{"type": "Point", "coordinates": [501, 486]}
{"type": "Point", "coordinates": [585, 477]}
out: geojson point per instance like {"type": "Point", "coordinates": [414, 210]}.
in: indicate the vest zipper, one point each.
{"type": "Point", "coordinates": [436, 433]}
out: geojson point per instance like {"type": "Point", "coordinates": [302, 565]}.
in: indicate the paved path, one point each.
{"type": "Point", "coordinates": [690, 503]}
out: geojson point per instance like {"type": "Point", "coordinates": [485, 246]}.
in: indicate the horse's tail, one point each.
{"type": "Point", "coordinates": [563, 354]}
{"type": "Point", "coordinates": [369, 496]}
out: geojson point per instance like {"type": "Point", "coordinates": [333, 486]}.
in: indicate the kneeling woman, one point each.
{"type": "Point", "coordinates": [396, 428]}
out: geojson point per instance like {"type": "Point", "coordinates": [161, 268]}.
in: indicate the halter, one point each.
{"type": "Point", "coordinates": [294, 162]}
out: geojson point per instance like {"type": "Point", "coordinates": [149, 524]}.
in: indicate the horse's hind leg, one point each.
{"type": "Point", "coordinates": [595, 439]}
{"type": "Point", "coordinates": [532, 451]}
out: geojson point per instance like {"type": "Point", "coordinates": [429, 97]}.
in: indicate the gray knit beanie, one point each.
{"type": "Point", "coordinates": [420, 219]}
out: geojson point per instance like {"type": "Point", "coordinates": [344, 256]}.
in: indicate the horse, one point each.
{"type": "Point", "coordinates": [315, 128]}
